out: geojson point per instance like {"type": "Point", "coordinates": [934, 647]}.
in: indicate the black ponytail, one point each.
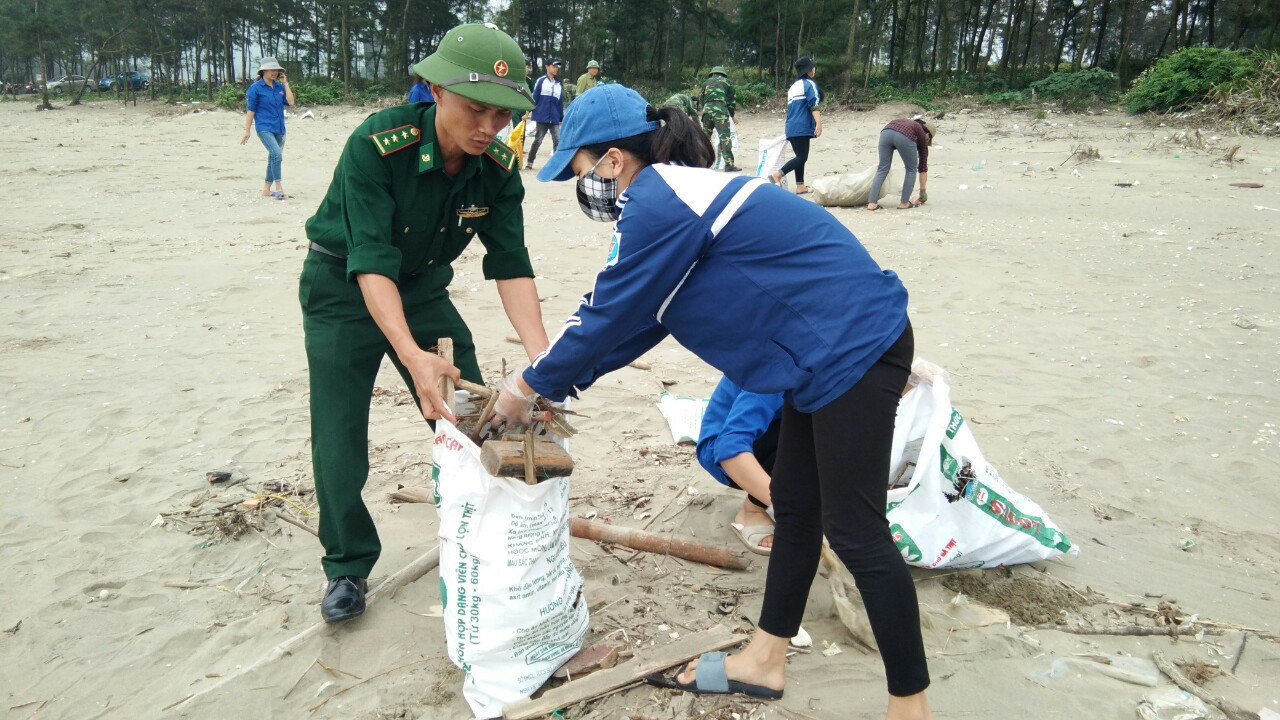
{"type": "Point", "coordinates": [677, 141]}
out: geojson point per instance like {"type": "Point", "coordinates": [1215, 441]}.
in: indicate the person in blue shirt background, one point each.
{"type": "Point", "coordinates": [779, 296]}
{"type": "Point", "coordinates": [804, 121]}
{"type": "Point", "coordinates": [548, 110]}
{"type": "Point", "coordinates": [265, 101]}
{"type": "Point", "coordinates": [420, 92]}
{"type": "Point", "coordinates": [737, 445]}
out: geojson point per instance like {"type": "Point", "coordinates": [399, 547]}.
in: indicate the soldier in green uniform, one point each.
{"type": "Point", "coordinates": [414, 185]}
{"type": "Point", "coordinates": [685, 103]}
{"type": "Point", "coordinates": [588, 79]}
{"type": "Point", "coordinates": [717, 108]}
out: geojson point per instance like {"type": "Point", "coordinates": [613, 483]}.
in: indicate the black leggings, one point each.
{"type": "Point", "coordinates": [832, 476]}
{"type": "Point", "coordinates": [801, 146]}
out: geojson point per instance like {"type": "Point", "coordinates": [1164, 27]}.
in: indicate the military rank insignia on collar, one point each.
{"type": "Point", "coordinates": [501, 154]}
{"type": "Point", "coordinates": [389, 141]}
{"type": "Point", "coordinates": [472, 211]}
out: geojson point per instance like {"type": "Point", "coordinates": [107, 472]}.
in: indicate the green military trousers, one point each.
{"type": "Point", "coordinates": [344, 350]}
{"type": "Point", "coordinates": [717, 120]}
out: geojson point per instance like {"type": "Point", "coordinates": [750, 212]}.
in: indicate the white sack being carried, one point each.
{"type": "Point", "coordinates": [513, 605]}
{"type": "Point", "coordinates": [733, 144]}
{"type": "Point", "coordinates": [947, 506]}
{"type": "Point", "coordinates": [773, 155]}
{"type": "Point", "coordinates": [852, 189]}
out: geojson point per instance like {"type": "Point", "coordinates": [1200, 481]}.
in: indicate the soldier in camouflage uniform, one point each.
{"type": "Point", "coordinates": [717, 108]}
{"type": "Point", "coordinates": [685, 103]}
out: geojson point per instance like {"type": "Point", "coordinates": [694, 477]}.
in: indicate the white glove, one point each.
{"type": "Point", "coordinates": [514, 406]}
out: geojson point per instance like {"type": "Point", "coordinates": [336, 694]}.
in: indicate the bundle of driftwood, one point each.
{"type": "Point", "coordinates": [547, 417]}
{"type": "Point", "coordinates": [533, 455]}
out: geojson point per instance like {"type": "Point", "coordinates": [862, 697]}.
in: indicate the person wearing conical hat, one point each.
{"type": "Point", "coordinates": [414, 186]}
{"type": "Point", "coordinates": [264, 102]}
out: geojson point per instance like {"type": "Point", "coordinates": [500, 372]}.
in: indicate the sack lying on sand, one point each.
{"type": "Point", "coordinates": [513, 605]}
{"type": "Point", "coordinates": [947, 506]}
{"type": "Point", "coordinates": [851, 190]}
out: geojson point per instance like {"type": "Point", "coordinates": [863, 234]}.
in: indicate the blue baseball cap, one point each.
{"type": "Point", "coordinates": [602, 114]}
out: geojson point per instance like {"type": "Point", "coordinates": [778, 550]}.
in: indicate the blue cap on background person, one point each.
{"type": "Point", "coordinates": [602, 114]}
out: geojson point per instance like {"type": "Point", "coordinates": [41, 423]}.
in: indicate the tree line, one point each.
{"type": "Point", "coordinates": [997, 44]}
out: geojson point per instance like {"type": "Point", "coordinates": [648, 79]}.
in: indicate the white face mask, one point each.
{"type": "Point", "coordinates": [597, 196]}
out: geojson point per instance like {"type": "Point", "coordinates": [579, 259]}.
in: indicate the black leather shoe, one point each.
{"type": "Point", "coordinates": [344, 599]}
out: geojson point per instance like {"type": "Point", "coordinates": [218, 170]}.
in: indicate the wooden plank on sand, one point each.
{"type": "Point", "coordinates": [603, 682]}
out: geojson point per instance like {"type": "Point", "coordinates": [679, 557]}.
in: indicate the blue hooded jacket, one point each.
{"type": "Point", "coordinates": [762, 284]}
{"type": "Point", "coordinates": [733, 421]}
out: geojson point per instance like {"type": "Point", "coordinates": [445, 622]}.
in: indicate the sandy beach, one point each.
{"type": "Point", "coordinates": [1110, 326]}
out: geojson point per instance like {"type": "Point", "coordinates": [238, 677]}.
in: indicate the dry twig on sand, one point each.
{"type": "Point", "coordinates": [1230, 709]}
{"type": "Point", "coordinates": [1082, 153]}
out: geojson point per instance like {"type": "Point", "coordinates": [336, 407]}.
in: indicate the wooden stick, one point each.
{"type": "Point", "coordinates": [1230, 709]}
{"type": "Point", "coordinates": [603, 682]}
{"type": "Point", "coordinates": [1140, 630]}
{"type": "Point", "coordinates": [662, 544]}
{"type": "Point", "coordinates": [425, 563]}
{"type": "Point", "coordinates": [530, 474]}
{"type": "Point", "coordinates": [474, 388]}
{"type": "Point", "coordinates": [485, 414]}
{"type": "Point", "coordinates": [444, 346]}
{"type": "Point", "coordinates": [1211, 623]}
{"type": "Point", "coordinates": [290, 520]}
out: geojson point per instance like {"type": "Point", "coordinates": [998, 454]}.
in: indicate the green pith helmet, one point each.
{"type": "Point", "coordinates": [593, 64]}
{"type": "Point", "coordinates": [479, 62]}
{"type": "Point", "coordinates": [719, 70]}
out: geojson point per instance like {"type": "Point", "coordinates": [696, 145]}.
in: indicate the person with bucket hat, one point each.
{"type": "Point", "coordinates": [415, 184]}
{"type": "Point", "coordinates": [264, 102]}
{"type": "Point", "coordinates": [588, 79]}
{"type": "Point", "coordinates": [718, 108]}
{"type": "Point", "coordinates": [548, 93]}
{"type": "Point", "coordinates": [804, 121]}
{"type": "Point", "coordinates": [911, 139]}
{"type": "Point", "coordinates": [755, 281]}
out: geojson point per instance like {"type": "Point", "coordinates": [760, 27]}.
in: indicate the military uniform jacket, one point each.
{"type": "Point", "coordinates": [391, 208]}
{"type": "Point", "coordinates": [717, 96]}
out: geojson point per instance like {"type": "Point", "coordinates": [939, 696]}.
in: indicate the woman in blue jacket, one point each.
{"type": "Point", "coordinates": [804, 121]}
{"type": "Point", "coordinates": [265, 101]}
{"type": "Point", "coordinates": [737, 445]}
{"type": "Point", "coordinates": [782, 298]}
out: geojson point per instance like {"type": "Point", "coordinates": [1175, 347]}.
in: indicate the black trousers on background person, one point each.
{"type": "Point", "coordinates": [801, 146]}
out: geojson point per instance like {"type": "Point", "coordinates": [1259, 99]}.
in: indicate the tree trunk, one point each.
{"type": "Point", "coordinates": [346, 54]}
{"type": "Point", "coordinates": [1077, 60]}
{"type": "Point", "coordinates": [1173, 22]}
{"type": "Point", "coordinates": [893, 38]}
{"type": "Point", "coordinates": [1122, 58]}
{"type": "Point", "coordinates": [228, 52]}
{"type": "Point", "coordinates": [1102, 33]}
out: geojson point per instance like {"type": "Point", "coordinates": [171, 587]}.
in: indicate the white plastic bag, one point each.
{"type": "Point", "coordinates": [773, 155]}
{"type": "Point", "coordinates": [733, 144]}
{"type": "Point", "coordinates": [854, 189]}
{"type": "Point", "coordinates": [959, 511]}
{"type": "Point", "coordinates": [684, 417]}
{"type": "Point", "coordinates": [513, 605]}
